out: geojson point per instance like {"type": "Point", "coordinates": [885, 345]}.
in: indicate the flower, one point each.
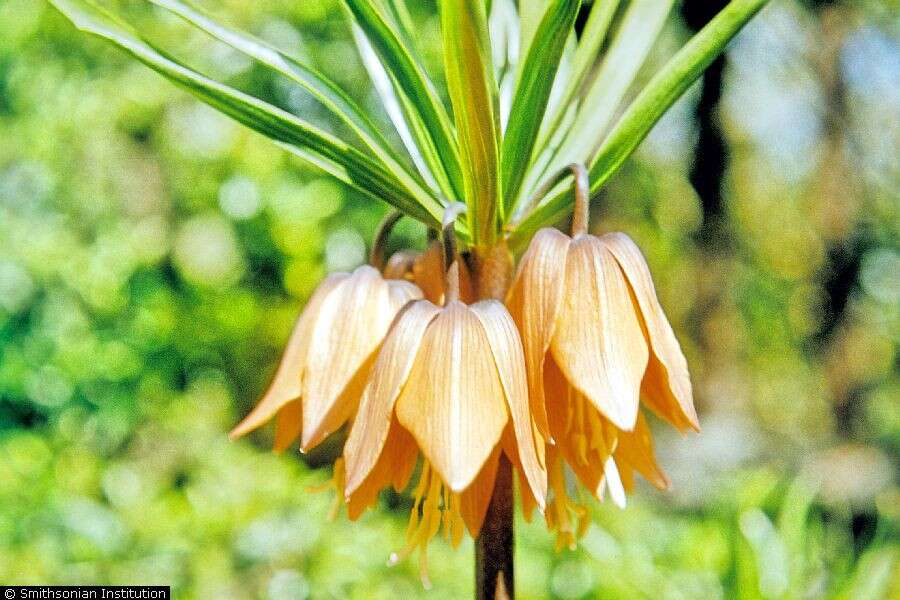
{"type": "Point", "coordinates": [325, 366]}
{"type": "Point", "coordinates": [449, 384]}
{"type": "Point", "coordinates": [596, 342]}
{"type": "Point", "coordinates": [428, 274]}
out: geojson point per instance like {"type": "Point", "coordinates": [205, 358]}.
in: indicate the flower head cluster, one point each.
{"type": "Point", "coordinates": [553, 377]}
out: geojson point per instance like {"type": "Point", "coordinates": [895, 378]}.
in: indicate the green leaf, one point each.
{"type": "Point", "coordinates": [503, 24]}
{"type": "Point", "coordinates": [530, 14]}
{"type": "Point", "coordinates": [589, 45]}
{"type": "Point", "coordinates": [536, 79]}
{"type": "Point", "coordinates": [638, 31]}
{"type": "Point", "coordinates": [338, 103]}
{"type": "Point", "coordinates": [473, 92]}
{"type": "Point", "coordinates": [319, 147]}
{"type": "Point", "coordinates": [660, 93]}
{"type": "Point", "coordinates": [430, 123]}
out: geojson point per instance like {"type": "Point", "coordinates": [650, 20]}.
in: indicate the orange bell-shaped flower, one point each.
{"type": "Point", "coordinates": [596, 343]}
{"type": "Point", "coordinates": [329, 354]}
{"type": "Point", "coordinates": [449, 384]}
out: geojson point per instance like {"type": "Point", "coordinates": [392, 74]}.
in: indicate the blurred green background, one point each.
{"type": "Point", "coordinates": [153, 255]}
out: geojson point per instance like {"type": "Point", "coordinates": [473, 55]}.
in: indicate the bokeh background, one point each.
{"type": "Point", "coordinates": [153, 255]}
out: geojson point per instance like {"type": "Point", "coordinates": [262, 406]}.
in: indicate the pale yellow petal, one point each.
{"type": "Point", "coordinates": [288, 422]}
{"type": "Point", "coordinates": [399, 265]}
{"type": "Point", "coordinates": [286, 385]}
{"type": "Point", "coordinates": [402, 293]}
{"type": "Point", "coordinates": [510, 361]}
{"type": "Point", "coordinates": [534, 301]}
{"type": "Point", "coordinates": [613, 483]}
{"type": "Point", "coordinates": [391, 370]}
{"type": "Point", "coordinates": [348, 332]}
{"type": "Point", "coordinates": [598, 343]}
{"type": "Point", "coordinates": [667, 383]}
{"type": "Point", "coordinates": [474, 499]}
{"type": "Point", "coordinates": [393, 467]}
{"type": "Point", "coordinates": [428, 274]}
{"type": "Point", "coordinates": [453, 401]}
{"type": "Point", "coordinates": [635, 451]}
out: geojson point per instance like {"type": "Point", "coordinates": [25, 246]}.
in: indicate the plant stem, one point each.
{"type": "Point", "coordinates": [494, 546]}
{"type": "Point", "coordinates": [494, 571]}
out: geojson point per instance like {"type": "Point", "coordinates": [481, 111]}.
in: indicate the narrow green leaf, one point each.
{"type": "Point", "coordinates": [409, 77]}
{"type": "Point", "coordinates": [473, 92]}
{"type": "Point", "coordinates": [530, 14]}
{"type": "Point", "coordinates": [324, 150]}
{"type": "Point", "coordinates": [338, 103]}
{"type": "Point", "coordinates": [589, 44]}
{"type": "Point", "coordinates": [638, 31]}
{"type": "Point", "coordinates": [533, 89]}
{"type": "Point", "coordinates": [503, 24]}
{"type": "Point", "coordinates": [654, 100]}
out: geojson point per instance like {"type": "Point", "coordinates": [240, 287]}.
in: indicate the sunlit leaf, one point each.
{"type": "Point", "coordinates": [324, 90]}
{"type": "Point", "coordinates": [533, 89]}
{"type": "Point", "coordinates": [636, 35]}
{"type": "Point", "coordinates": [435, 137]}
{"type": "Point", "coordinates": [323, 149]}
{"type": "Point", "coordinates": [473, 92]}
{"type": "Point", "coordinates": [660, 93]}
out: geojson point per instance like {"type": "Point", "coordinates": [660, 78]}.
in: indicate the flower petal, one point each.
{"type": "Point", "coordinates": [474, 499]}
{"type": "Point", "coordinates": [350, 328]}
{"type": "Point", "coordinates": [453, 402]}
{"type": "Point", "coordinates": [428, 274]}
{"type": "Point", "coordinates": [393, 467]}
{"type": "Point", "coordinates": [667, 383]}
{"type": "Point", "coordinates": [288, 423]}
{"type": "Point", "coordinates": [534, 301]}
{"type": "Point", "coordinates": [399, 265]}
{"type": "Point", "coordinates": [598, 343]}
{"type": "Point", "coordinates": [635, 451]}
{"type": "Point", "coordinates": [370, 429]}
{"type": "Point", "coordinates": [402, 293]}
{"type": "Point", "coordinates": [510, 362]}
{"type": "Point", "coordinates": [287, 383]}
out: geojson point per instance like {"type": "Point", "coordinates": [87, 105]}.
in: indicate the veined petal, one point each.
{"type": "Point", "coordinates": [598, 343]}
{"type": "Point", "coordinates": [287, 383]}
{"type": "Point", "coordinates": [510, 363]}
{"type": "Point", "coordinates": [453, 401]}
{"type": "Point", "coordinates": [350, 328]}
{"type": "Point", "coordinates": [667, 384]}
{"type": "Point", "coordinates": [402, 293]}
{"type": "Point", "coordinates": [391, 370]}
{"type": "Point", "coordinates": [635, 451]}
{"type": "Point", "coordinates": [534, 301]}
{"type": "Point", "coordinates": [474, 499]}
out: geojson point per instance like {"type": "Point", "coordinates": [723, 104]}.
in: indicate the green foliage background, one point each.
{"type": "Point", "coordinates": [153, 256]}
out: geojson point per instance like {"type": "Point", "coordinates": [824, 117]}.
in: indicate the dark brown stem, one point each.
{"type": "Point", "coordinates": [376, 256]}
{"type": "Point", "coordinates": [494, 573]}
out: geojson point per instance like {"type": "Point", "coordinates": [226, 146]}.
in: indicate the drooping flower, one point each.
{"type": "Point", "coordinates": [449, 384]}
{"type": "Point", "coordinates": [597, 343]}
{"type": "Point", "coordinates": [329, 354]}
